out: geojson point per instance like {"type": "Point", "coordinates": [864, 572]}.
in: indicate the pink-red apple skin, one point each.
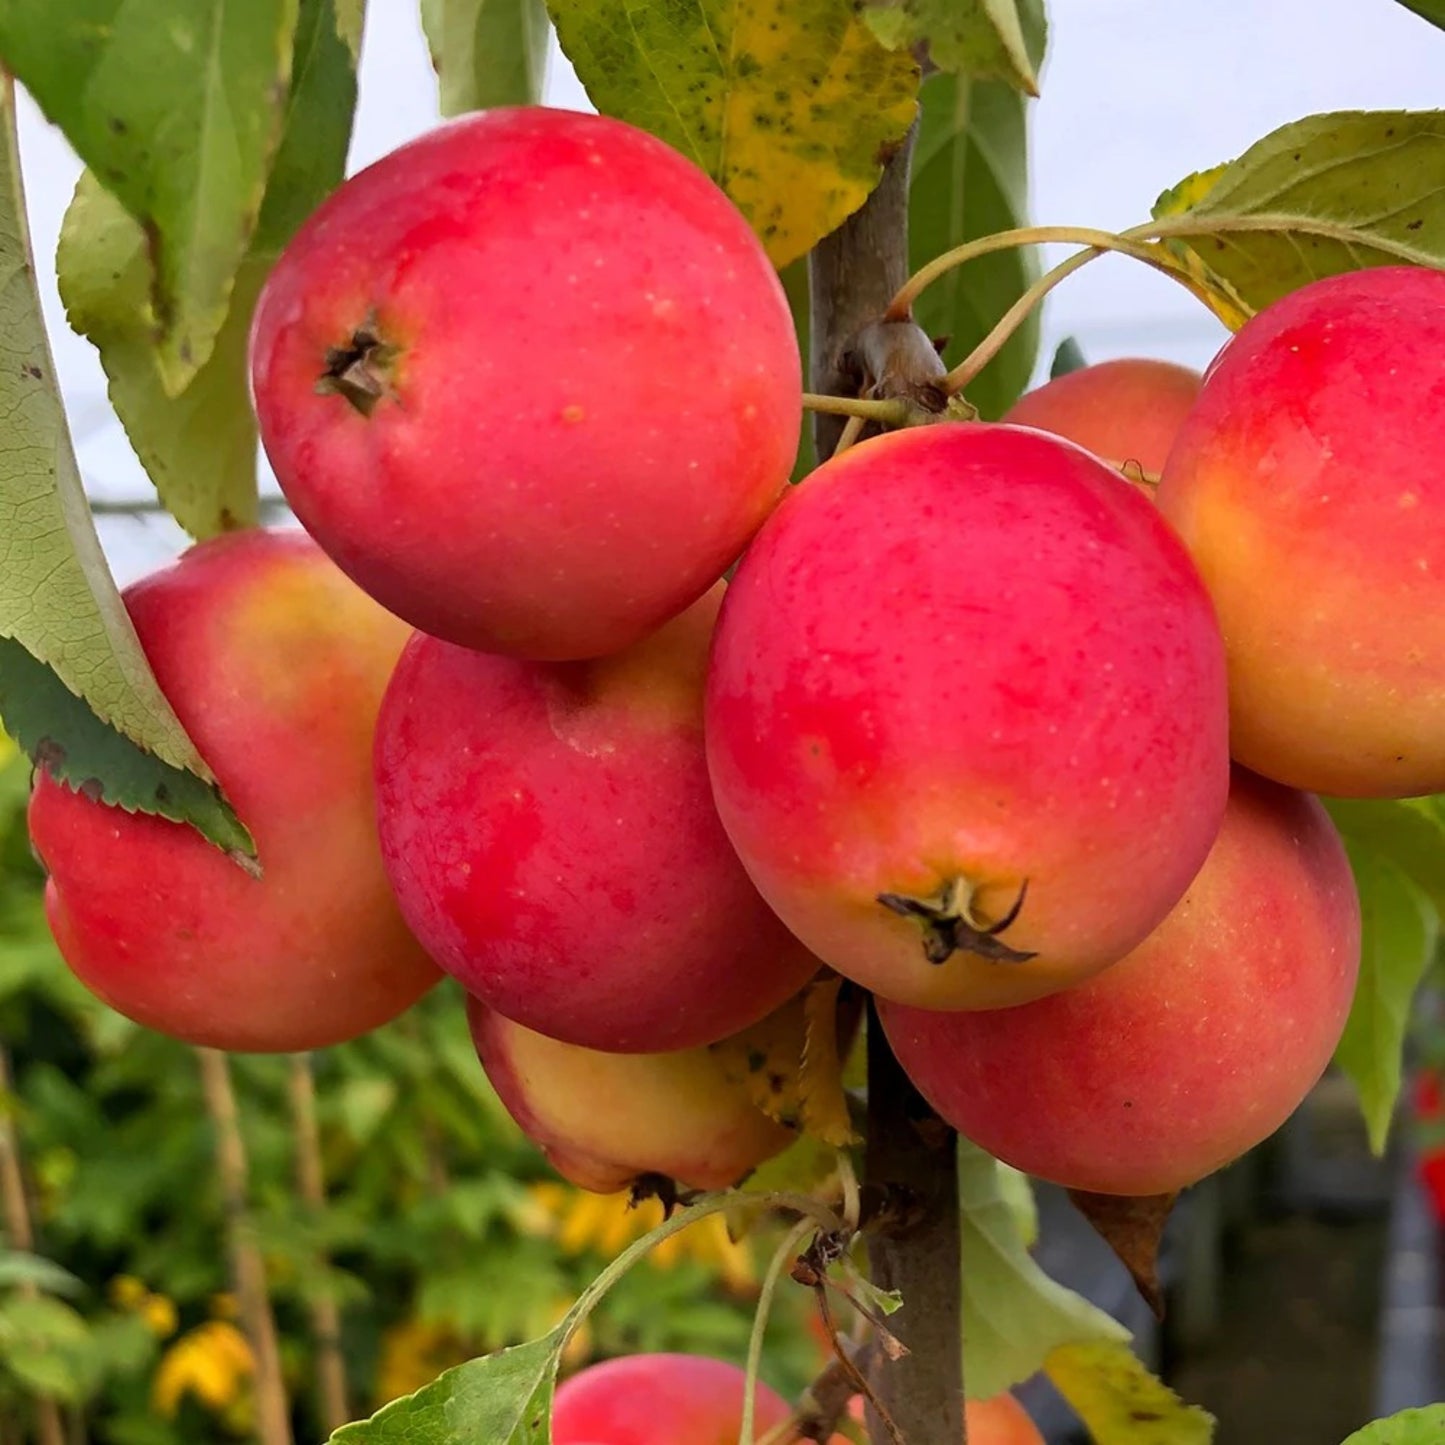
{"type": "Point", "coordinates": [1309, 484]}
{"type": "Point", "coordinates": [604, 1120]}
{"type": "Point", "coordinates": [275, 663]}
{"type": "Point", "coordinates": [1189, 1052]}
{"type": "Point", "coordinates": [1124, 410]}
{"type": "Point", "coordinates": [551, 836]}
{"type": "Point", "coordinates": [591, 389]}
{"type": "Point", "coordinates": [661, 1399]}
{"type": "Point", "coordinates": [970, 653]}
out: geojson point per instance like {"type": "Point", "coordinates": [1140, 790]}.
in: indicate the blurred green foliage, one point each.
{"type": "Point", "coordinates": [444, 1233]}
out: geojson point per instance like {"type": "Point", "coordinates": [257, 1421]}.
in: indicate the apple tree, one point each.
{"type": "Point", "coordinates": [831, 822]}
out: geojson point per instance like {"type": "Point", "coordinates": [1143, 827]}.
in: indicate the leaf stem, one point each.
{"type": "Point", "coordinates": [776, 1265]}
{"type": "Point", "coordinates": [892, 412]}
{"type": "Point", "coordinates": [901, 307]}
{"type": "Point", "coordinates": [1008, 323]}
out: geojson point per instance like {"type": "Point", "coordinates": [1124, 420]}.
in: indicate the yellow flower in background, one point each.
{"type": "Point", "coordinates": [607, 1223]}
{"type": "Point", "coordinates": [159, 1313]}
{"type": "Point", "coordinates": [126, 1291]}
{"type": "Point", "coordinates": [212, 1363]}
{"type": "Point", "coordinates": [131, 1295]}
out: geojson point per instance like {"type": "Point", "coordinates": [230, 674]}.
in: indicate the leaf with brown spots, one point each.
{"type": "Point", "coordinates": [1120, 1402]}
{"type": "Point", "coordinates": [982, 39]}
{"type": "Point", "coordinates": [1323, 195]}
{"type": "Point", "coordinates": [791, 106]}
{"type": "Point", "coordinates": [75, 688]}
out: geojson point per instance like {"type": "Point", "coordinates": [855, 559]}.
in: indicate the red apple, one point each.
{"type": "Point", "coordinates": [275, 663]}
{"type": "Point", "coordinates": [662, 1399]}
{"type": "Point", "coordinates": [531, 380]}
{"type": "Point", "coordinates": [1127, 410]}
{"type": "Point", "coordinates": [966, 715]}
{"type": "Point", "coordinates": [550, 833]}
{"type": "Point", "coordinates": [1189, 1052]}
{"type": "Point", "coordinates": [605, 1120]}
{"type": "Point", "coordinates": [1309, 484]}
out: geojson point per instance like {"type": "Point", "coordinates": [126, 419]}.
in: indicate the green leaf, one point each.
{"type": "Point", "coordinates": [179, 114]}
{"type": "Point", "coordinates": [1425, 1426]}
{"type": "Point", "coordinates": [970, 179]}
{"type": "Point", "coordinates": [200, 447]}
{"type": "Point", "coordinates": [1431, 10]}
{"type": "Point", "coordinates": [18, 1267]}
{"type": "Point", "coordinates": [1322, 195]}
{"type": "Point", "coordinates": [487, 52]}
{"type": "Point", "coordinates": [1014, 1315]}
{"type": "Point", "coordinates": [765, 97]}
{"type": "Point", "coordinates": [350, 20]}
{"type": "Point", "coordinates": [983, 39]}
{"type": "Point", "coordinates": [58, 604]}
{"type": "Point", "coordinates": [1409, 832]}
{"type": "Point", "coordinates": [43, 1342]}
{"type": "Point", "coordinates": [1068, 356]}
{"type": "Point", "coordinates": [1400, 929]}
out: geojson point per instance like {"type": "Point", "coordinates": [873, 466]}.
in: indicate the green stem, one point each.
{"type": "Point", "coordinates": [901, 307]}
{"type": "Point", "coordinates": [776, 1265]}
{"type": "Point", "coordinates": [893, 412]}
{"type": "Point", "coordinates": [820, 1215]}
{"type": "Point", "coordinates": [994, 342]}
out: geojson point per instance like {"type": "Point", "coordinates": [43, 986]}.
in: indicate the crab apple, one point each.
{"type": "Point", "coordinates": [662, 1399]}
{"type": "Point", "coordinates": [680, 1115]}
{"type": "Point", "coordinates": [966, 715]}
{"type": "Point", "coordinates": [551, 835]}
{"type": "Point", "coordinates": [531, 380]}
{"type": "Point", "coordinates": [1126, 410]}
{"type": "Point", "coordinates": [1191, 1050]}
{"type": "Point", "coordinates": [275, 663]}
{"type": "Point", "coordinates": [1309, 484]}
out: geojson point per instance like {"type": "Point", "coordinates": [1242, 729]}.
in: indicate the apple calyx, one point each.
{"type": "Point", "coordinates": [949, 927]}
{"type": "Point", "coordinates": [359, 371]}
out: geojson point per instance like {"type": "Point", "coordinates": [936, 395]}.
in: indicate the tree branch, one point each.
{"type": "Point", "coordinates": [853, 275]}
{"type": "Point", "coordinates": [910, 1148]}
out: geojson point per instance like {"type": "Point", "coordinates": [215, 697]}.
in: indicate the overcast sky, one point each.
{"type": "Point", "coordinates": [1136, 94]}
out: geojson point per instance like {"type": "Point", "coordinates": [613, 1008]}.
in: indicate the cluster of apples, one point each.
{"type": "Point", "coordinates": [979, 723]}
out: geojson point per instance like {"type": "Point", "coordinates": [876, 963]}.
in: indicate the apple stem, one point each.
{"type": "Point", "coordinates": [901, 307]}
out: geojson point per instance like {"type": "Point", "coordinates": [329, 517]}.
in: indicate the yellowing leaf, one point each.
{"type": "Point", "coordinates": [1322, 195]}
{"type": "Point", "coordinates": [789, 1064]}
{"type": "Point", "coordinates": [1120, 1402]}
{"type": "Point", "coordinates": [791, 106]}
{"type": "Point", "coordinates": [982, 39]}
